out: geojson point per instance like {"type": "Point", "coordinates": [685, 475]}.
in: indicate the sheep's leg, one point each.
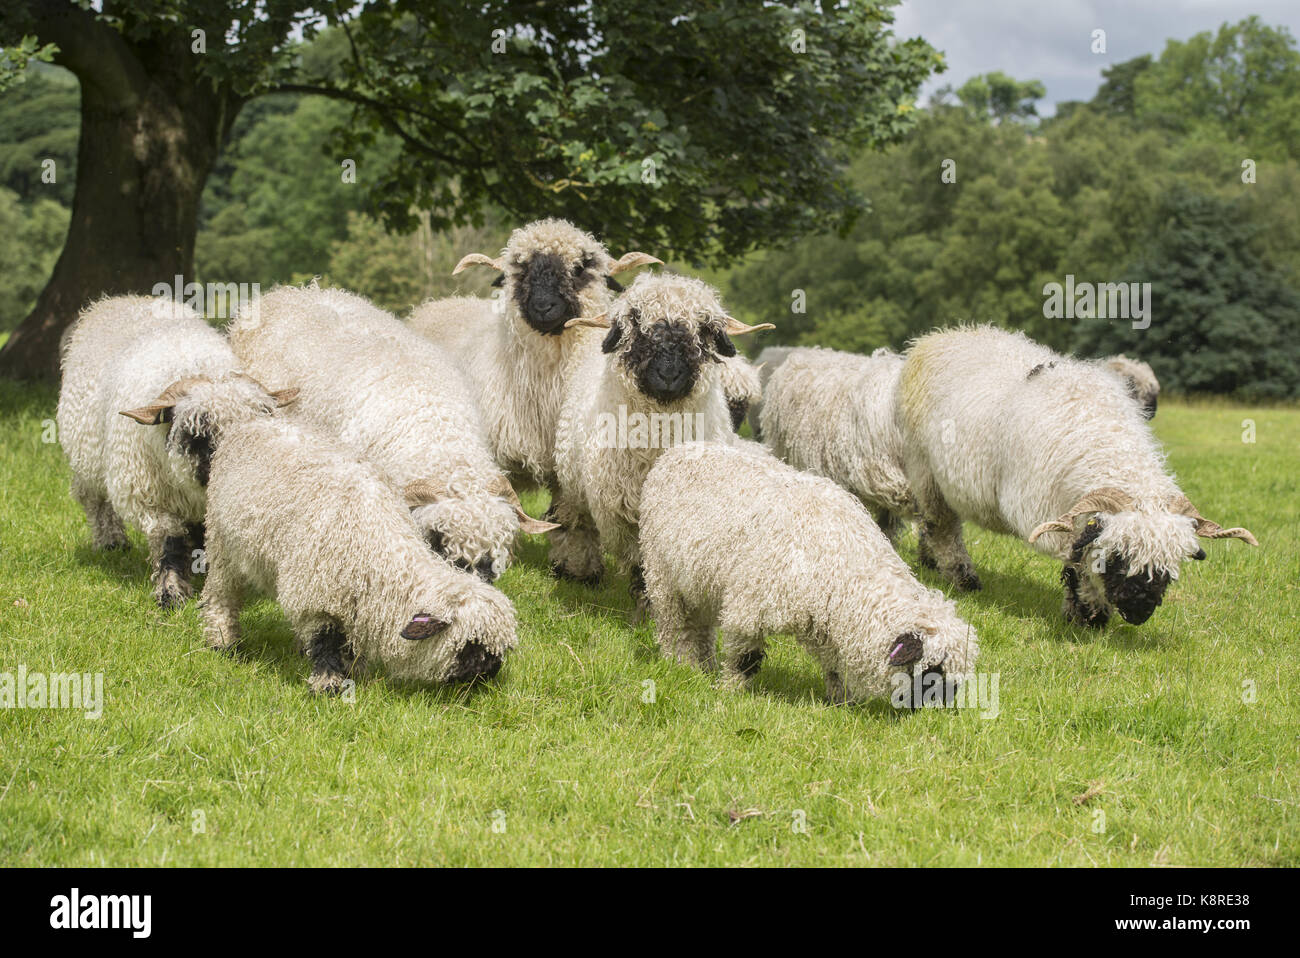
{"type": "Point", "coordinates": [330, 663]}
{"type": "Point", "coordinates": [835, 689]}
{"type": "Point", "coordinates": [106, 529]}
{"type": "Point", "coordinates": [941, 540]}
{"type": "Point", "coordinates": [169, 557]}
{"type": "Point", "coordinates": [890, 524]}
{"type": "Point", "coordinates": [1084, 604]}
{"type": "Point", "coordinates": [684, 635]}
{"type": "Point", "coordinates": [575, 549]}
{"type": "Point", "coordinates": [742, 657]}
{"type": "Point", "coordinates": [219, 606]}
{"type": "Point", "coordinates": [636, 588]}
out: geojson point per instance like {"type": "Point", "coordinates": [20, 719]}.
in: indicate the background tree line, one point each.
{"type": "Point", "coordinates": [1143, 183]}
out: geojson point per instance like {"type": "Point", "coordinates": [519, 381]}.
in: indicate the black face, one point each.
{"type": "Point", "coordinates": [193, 440]}
{"type": "Point", "coordinates": [738, 408]}
{"type": "Point", "coordinates": [1135, 596]}
{"type": "Point", "coordinates": [1149, 407]}
{"type": "Point", "coordinates": [665, 361]}
{"type": "Point", "coordinates": [546, 290]}
{"type": "Point", "coordinates": [483, 568]}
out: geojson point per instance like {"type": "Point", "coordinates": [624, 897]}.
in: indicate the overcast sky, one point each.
{"type": "Point", "coordinates": [1051, 40]}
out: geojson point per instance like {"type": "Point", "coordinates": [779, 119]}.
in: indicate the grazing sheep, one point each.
{"type": "Point", "coordinates": [1006, 433]}
{"type": "Point", "coordinates": [767, 363]}
{"type": "Point", "coordinates": [1140, 379]}
{"type": "Point", "coordinates": [368, 381]}
{"type": "Point", "coordinates": [733, 538]}
{"type": "Point", "coordinates": [741, 387]}
{"type": "Point", "coordinates": [514, 349]}
{"type": "Point", "coordinates": [832, 414]}
{"type": "Point", "coordinates": [300, 517]}
{"type": "Point", "coordinates": [651, 385]}
{"type": "Point", "coordinates": [130, 364]}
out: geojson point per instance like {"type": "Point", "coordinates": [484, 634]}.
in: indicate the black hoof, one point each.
{"type": "Point", "coordinates": [750, 662]}
{"type": "Point", "coordinates": [968, 581]}
{"type": "Point", "coordinates": [170, 601]}
{"type": "Point", "coordinates": [474, 664]}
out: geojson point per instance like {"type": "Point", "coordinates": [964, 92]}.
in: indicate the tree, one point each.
{"type": "Point", "coordinates": [700, 135]}
{"type": "Point", "coordinates": [38, 122]}
{"type": "Point", "coordinates": [1223, 319]}
{"type": "Point", "coordinates": [1117, 95]}
{"type": "Point", "coordinates": [30, 237]}
{"type": "Point", "coordinates": [1001, 98]}
{"type": "Point", "coordinates": [1242, 82]}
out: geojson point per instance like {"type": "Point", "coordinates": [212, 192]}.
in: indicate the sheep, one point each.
{"type": "Point", "coordinates": [514, 349]}
{"type": "Point", "coordinates": [767, 363]}
{"type": "Point", "coordinates": [742, 386]}
{"type": "Point", "coordinates": [733, 538]}
{"type": "Point", "coordinates": [307, 520]}
{"type": "Point", "coordinates": [832, 414]}
{"type": "Point", "coordinates": [131, 363]}
{"type": "Point", "coordinates": [1139, 378]}
{"type": "Point", "coordinates": [1016, 438]}
{"type": "Point", "coordinates": [651, 384]}
{"type": "Point", "coordinates": [370, 382]}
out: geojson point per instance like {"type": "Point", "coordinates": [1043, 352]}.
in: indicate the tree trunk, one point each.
{"type": "Point", "coordinates": [150, 132]}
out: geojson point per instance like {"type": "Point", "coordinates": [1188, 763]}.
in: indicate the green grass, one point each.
{"type": "Point", "coordinates": [586, 772]}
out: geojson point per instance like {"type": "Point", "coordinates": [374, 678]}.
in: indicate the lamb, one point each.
{"type": "Point", "coordinates": [652, 384]}
{"type": "Point", "coordinates": [396, 398]}
{"type": "Point", "coordinates": [832, 414]}
{"type": "Point", "coordinates": [514, 349]}
{"type": "Point", "coordinates": [301, 517]}
{"type": "Point", "coordinates": [132, 363]}
{"type": "Point", "coordinates": [733, 538]}
{"type": "Point", "coordinates": [767, 363]}
{"type": "Point", "coordinates": [741, 387]}
{"type": "Point", "coordinates": [1010, 435]}
{"type": "Point", "coordinates": [1140, 380]}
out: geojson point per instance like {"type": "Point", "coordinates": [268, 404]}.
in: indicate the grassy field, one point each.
{"type": "Point", "coordinates": [1128, 746]}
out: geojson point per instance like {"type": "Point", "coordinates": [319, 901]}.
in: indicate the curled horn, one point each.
{"type": "Point", "coordinates": [477, 259]}
{"type": "Point", "coordinates": [595, 322]}
{"type": "Point", "coordinates": [160, 410]}
{"type": "Point", "coordinates": [421, 492]}
{"type": "Point", "coordinates": [1207, 528]}
{"type": "Point", "coordinates": [736, 328]}
{"type": "Point", "coordinates": [1105, 499]}
{"type": "Point", "coordinates": [282, 397]}
{"type": "Point", "coordinates": [632, 261]}
{"type": "Point", "coordinates": [500, 486]}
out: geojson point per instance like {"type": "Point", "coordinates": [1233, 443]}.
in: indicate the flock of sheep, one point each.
{"type": "Point", "coordinates": [372, 490]}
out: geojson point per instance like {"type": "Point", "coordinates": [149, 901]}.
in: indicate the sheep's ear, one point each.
{"type": "Point", "coordinates": [423, 625]}
{"type": "Point", "coordinates": [632, 261]}
{"type": "Point", "coordinates": [736, 328]}
{"type": "Point", "coordinates": [722, 342]}
{"type": "Point", "coordinates": [613, 284]}
{"type": "Point", "coordinates": [477, 259]}
{"type": "Point", "coordinates": [283, 397]}
{"type": "Point", "coordinates": [906, 649]}
{"type": "Point", "coordinates": [150, 415]}
{"type": "Point", "coordinates": [499, 281]}
{"type": "Point", "coordinates": [611, 339]}
{"type": "Point", "coordinates": [534, 527]}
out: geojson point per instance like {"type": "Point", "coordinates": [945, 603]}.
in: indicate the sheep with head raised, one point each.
{"type": "Point", "coordinates": [149, 389]}
{"type": "Point", "coordinates": [732, 538]}
{"type": "Point", "coordinates": [398, 399]}
{"type": "Point", "coordinates": [1139, 378]}
{"type": "Point", "coordinates": [305, 519]}
{"type": "Point", "coordinates": [1014, 437]}
{"type": "Point", "coordinates": [832, 414]}
{"type": "Point", "coordinates": [514, 349]}
{"type": "Point", "coordinates": [651, 384]}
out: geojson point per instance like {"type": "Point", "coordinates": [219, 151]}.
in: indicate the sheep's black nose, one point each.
{"type": "Point", "coordinates": [551, 310]}
{"type": "Point", "coordinates": [474, 663]}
